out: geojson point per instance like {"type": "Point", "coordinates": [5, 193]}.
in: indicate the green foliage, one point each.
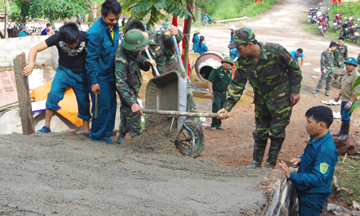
{"type": "Point", "coordinates": [348, 174]}
{"type": "Point", "coordinates": [228, 9]}
{"type": "Point", "coordinates": [157, 8]}
{"type": "Point", "coordinates": [348, 9]}
{"type": "Point", "coordinates": [41, 8]}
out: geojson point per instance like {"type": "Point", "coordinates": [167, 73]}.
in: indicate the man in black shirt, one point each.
{"type": "Point", "coordinates": [70, 43]}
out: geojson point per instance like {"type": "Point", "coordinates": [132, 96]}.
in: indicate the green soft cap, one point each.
{"type": "Point", "coordinates": [228, 60]}
{"type": "Point", "coordinates": [164, 25]}
{"type": "Point", "coordinates": [242, 36]}
{"type": "Point", "coordinates": [134, 40]}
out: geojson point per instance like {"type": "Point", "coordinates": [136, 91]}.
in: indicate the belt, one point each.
{"type": "Point", "coordinates": [220, 91]}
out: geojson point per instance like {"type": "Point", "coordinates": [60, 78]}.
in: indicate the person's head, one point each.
{"type": "Point", "coordinates": [134, 41]}
{"type": "Point", "coordinates": [22, 28]}
{"type": "Point", "coordinates": [319, 119]}
{"type": "Point", "coordinates": [350, 64]}
{"type": "Point", "coordinates": [299, 51]}
{"type": "Point", "coordinates": [135, 24]}
{"type": "Point", "coordinates": [48, 26]}
{"type": "Point", "coordinates": [227, 62]}
{"type": "Point", "coordinates": [332, 45]}
{"type": "Point", "coordinates": [164, 25]}
{"type": "Point", "coordinates": [151, 27]}
{"type": "Point", "coordinates": [89, 25]}
{"type": "Point", "coordinates": [110, 12]}
{"type": "Point", "coordinates": [206, 12]}
{"type": "Point", "coordinates": [341, 41]}
{"type": "Point", "coordinates": [78, 23]}
{"type": "Point", "coordinates": [244, 41]}
{"type": "Point", "coordinates": [69, 32]}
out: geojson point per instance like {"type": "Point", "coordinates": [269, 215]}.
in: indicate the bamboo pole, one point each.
{"type": "Point", "coordinates": [23, 92]}
{"type": "Point", "coordinates": [188, 114]}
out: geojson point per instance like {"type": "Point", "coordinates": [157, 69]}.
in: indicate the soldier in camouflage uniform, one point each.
{"type": "Point", "coordinates": [358, 61]}
{"type": "Point", "coordinates": [162, 51]}
{"type": "Point", "coordinates": [275, 77]}
{"type": "Point", "coordinates": [129, 80]}
{"type": "Point", "coordinates": [340, 54]}
{"type": "Point", "coordinates": [327, 69]}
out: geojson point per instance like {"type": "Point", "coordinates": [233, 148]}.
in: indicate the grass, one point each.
{"type": "Point", "coordinates": [228, 9]}
{"type": "Point", "coordinates": [348, 174]}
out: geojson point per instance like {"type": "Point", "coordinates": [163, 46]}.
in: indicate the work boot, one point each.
{"type": "Point", "coordinates": [275, 147]}
{"type": "Point", "coordinates": [327, 93]}
{"type": "Point", "coordinates": [259, 150]}
{"type": "Point", "coordinates": [213, 128]}
{"type": "Point", "coordinates": [341, 130]}
{"type": "Point", "coordinates": [345, 133]}
{"type": "Point", "coordinates": [316, 94]}
{"type": "Point", "coordinates": [220, 128]}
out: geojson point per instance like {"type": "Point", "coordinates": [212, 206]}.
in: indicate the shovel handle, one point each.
{"type": "Point", "coordinates": [178, 53]}
{"type": "Point", "coordinates": [96, 106]}
{"type": "Point", "coordinates": [155, 68]}
{"type": "Point", "coordinates": [188, 114]}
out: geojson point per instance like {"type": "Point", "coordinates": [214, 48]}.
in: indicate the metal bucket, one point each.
{"type": "Point", "coordinates": [205, 63]}
{"type": "Point", "coordinates": [167, 92]}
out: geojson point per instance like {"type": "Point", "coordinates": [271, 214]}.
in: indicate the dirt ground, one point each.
{"type": "Point", "coordinates": [64, 174]}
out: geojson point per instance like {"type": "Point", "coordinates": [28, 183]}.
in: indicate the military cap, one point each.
{"type": "Point", "coordinates": [134, 40]}
{"type": "Point", "coordinates": [228, 60]}
{"type": "Point", "coordinates": [22, 27]}
{"type": "Point", "coordinates": [164, 25]}
{"type": "Point", "coordinates": [351, 60]}
{"type": "Point", "coordinates": [242, 36]}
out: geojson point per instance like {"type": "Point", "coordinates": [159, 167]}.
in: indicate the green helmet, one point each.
{"type": "Point", "coordinates": [134, 40]}
{"type": "Point", "coordinates": [228, 60]}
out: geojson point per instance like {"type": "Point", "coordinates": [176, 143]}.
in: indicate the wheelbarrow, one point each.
{"type": "Point", "coordinates": [166, 94]}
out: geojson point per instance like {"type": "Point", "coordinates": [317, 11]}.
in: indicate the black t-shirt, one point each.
{"type": "Point", "coordinates": [72, 58]}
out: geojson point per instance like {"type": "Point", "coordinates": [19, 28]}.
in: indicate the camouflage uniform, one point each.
{"type": "Point", "coordinates": [274, 78]}
{"type": "Point", "coordinates": [358, 61]}
{"type": "Point", "coordinates": [326, 63]}
{"type": "Point", "coordinates": [162, 51]}
{"type": "Point", "coordinates": [340, 55]}
{"type": "Point", "coordinates": [129, 81]}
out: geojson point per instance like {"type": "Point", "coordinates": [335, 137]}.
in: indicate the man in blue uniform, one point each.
{"type": "Point", "coordinates": [317, 164]}
{"type": "Point", "coordinates": [101, 43]}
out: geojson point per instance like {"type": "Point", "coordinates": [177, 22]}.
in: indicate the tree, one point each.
{"type": "Point", "coordinates": [41, 8]}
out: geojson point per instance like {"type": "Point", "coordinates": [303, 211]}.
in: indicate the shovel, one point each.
{"type": "Point", "coordinates": [96, 106]}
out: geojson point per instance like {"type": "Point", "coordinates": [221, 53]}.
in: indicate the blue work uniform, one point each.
{"type": "Point", "coordinates": [196, 43]}
{"type": "Point", "coordinates": [314, 178]}
{"type": "Point", "coordinates": [202, 48]}
{"type": "Point", "coordinates": [101, 48]}
{"type": "Point", "coordinates": [23, 34]}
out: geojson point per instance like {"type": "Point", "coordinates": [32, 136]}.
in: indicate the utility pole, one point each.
{"type": "Point", "coordinates": [187, 35]}
{"type": "Point", "coordinates": [5, 27]}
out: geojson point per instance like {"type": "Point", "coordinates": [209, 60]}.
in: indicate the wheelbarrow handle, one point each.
{"type": "Point", "coordinates": [151, 59]}
{"type": "Point", "coordinates": [188, 114]}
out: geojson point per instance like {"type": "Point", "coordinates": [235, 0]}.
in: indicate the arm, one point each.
{"type": "Point", "coordinates": [210, 85]}
{"type": "Point", "coordinates": [302, 62]}
{"type": "Point", "coordinates": [336, 99]}
{"type": "Point", "coordinates": [351, 101]}
{"type": "Point", "coordinates": [322, 63]}
{"type": "Point", "coordinates": [93, 50]}
{"type": "Point", "coordinates": [205, 48]}
{"type": "Point", "coordinates": [27, 70]}
{"type": "Point", "coordinates": [168, 38]}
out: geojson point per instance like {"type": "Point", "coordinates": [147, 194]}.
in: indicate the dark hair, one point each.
{"type": "Point", "coordinates": [321, 114]}
{"type": "Point", "coordinates": [69, 32]}
{"type": "Point", "coordinates": [341, 38]}
{"type": "Point", "coordinates": [193, 38]}
{"type": "Point", "coordinates": [48, 24]}
{"type": "Point", "coordinates": [201, 40]}
{"type": "Point", "coordinates": [110, 6]}
{"type": "Point", "coordinates": [300, 50]}
{"type": "Point", "coordinates": [79, 23]}
{"type": "Point", "coordinates": [135, 24]}
{"type": "Point", "coordinates": [206, 11]}
{"type": "Point", "coordinates": [332, 44]}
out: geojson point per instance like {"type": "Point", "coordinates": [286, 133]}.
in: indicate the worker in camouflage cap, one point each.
{"type": "Point", "coordinates": [276, 79]}
{"type": "Point", "coordinates": [129, 81]}
{"type": "Point", "coordinates": [218, 84]}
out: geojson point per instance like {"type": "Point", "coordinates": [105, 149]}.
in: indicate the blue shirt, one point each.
{"type": "Point", "coordinates": [196, 43]}
{"type": "Point", "coordinates": [44, 32]}
{"type": "Point", "coordinates": [317, 166]}
{"type": "Point", "coordinates": [207, 16]}
{"type": "Point", "coordinates": [201, 50]}
{"type": "Point", "coordinates": [23, 34]}
{"type": "Point", "coordinates": [100, 52]}
{"type": "Point", "coordinates": [293, 53]}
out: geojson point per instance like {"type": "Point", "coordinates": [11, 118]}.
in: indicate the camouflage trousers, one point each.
{"type": "Point", "coordinates": [325, 77]}
{"type": "Point", "coordinates": [271, 120]}
{"type": "Point", "coordinates": [129, 122]}
{"type": "Point", "coordinates": [191, 106]}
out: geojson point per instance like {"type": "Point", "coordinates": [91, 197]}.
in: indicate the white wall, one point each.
{"type": "Point", "coordinates": [10, 47]}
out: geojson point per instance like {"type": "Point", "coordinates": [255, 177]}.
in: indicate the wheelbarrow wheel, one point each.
{"type": "Point", "coordinates": [184, 140]}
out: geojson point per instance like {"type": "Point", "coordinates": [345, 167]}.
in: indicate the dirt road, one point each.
{"type": "Point", "coordinates": [66, 174]}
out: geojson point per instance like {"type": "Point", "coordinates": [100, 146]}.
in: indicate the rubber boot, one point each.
{"type": "Point", "coordinates": [274, 150]}
{"type": "Point", "coordinates": [316, 93]}
{"type": "Point", "coordinates": [345, 133]}
{"type": "Point", "coordinates": [259, 150]}
{"type": "Point", "coordinates": [327, 93]}
{"type": "Point", "coordinates": [341, 130]}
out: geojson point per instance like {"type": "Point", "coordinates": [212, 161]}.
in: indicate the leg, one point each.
{"type": "Point", "coordinates": [48, 115]}
{"type": "Point", "coordinates": [328, 82]}
{"type": "Point", "coordinates": [345, 121]}
{"type": "Point", "coordinates": [216, 106]}
{"type": "Point", "coordinates": [122, 127]}
{"type": "Point", "coordinates": [320, 84]}
{"type": "Point", "coordinates": [280, 115]}
{"type": "Point", "coordinates": [311, 204]}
